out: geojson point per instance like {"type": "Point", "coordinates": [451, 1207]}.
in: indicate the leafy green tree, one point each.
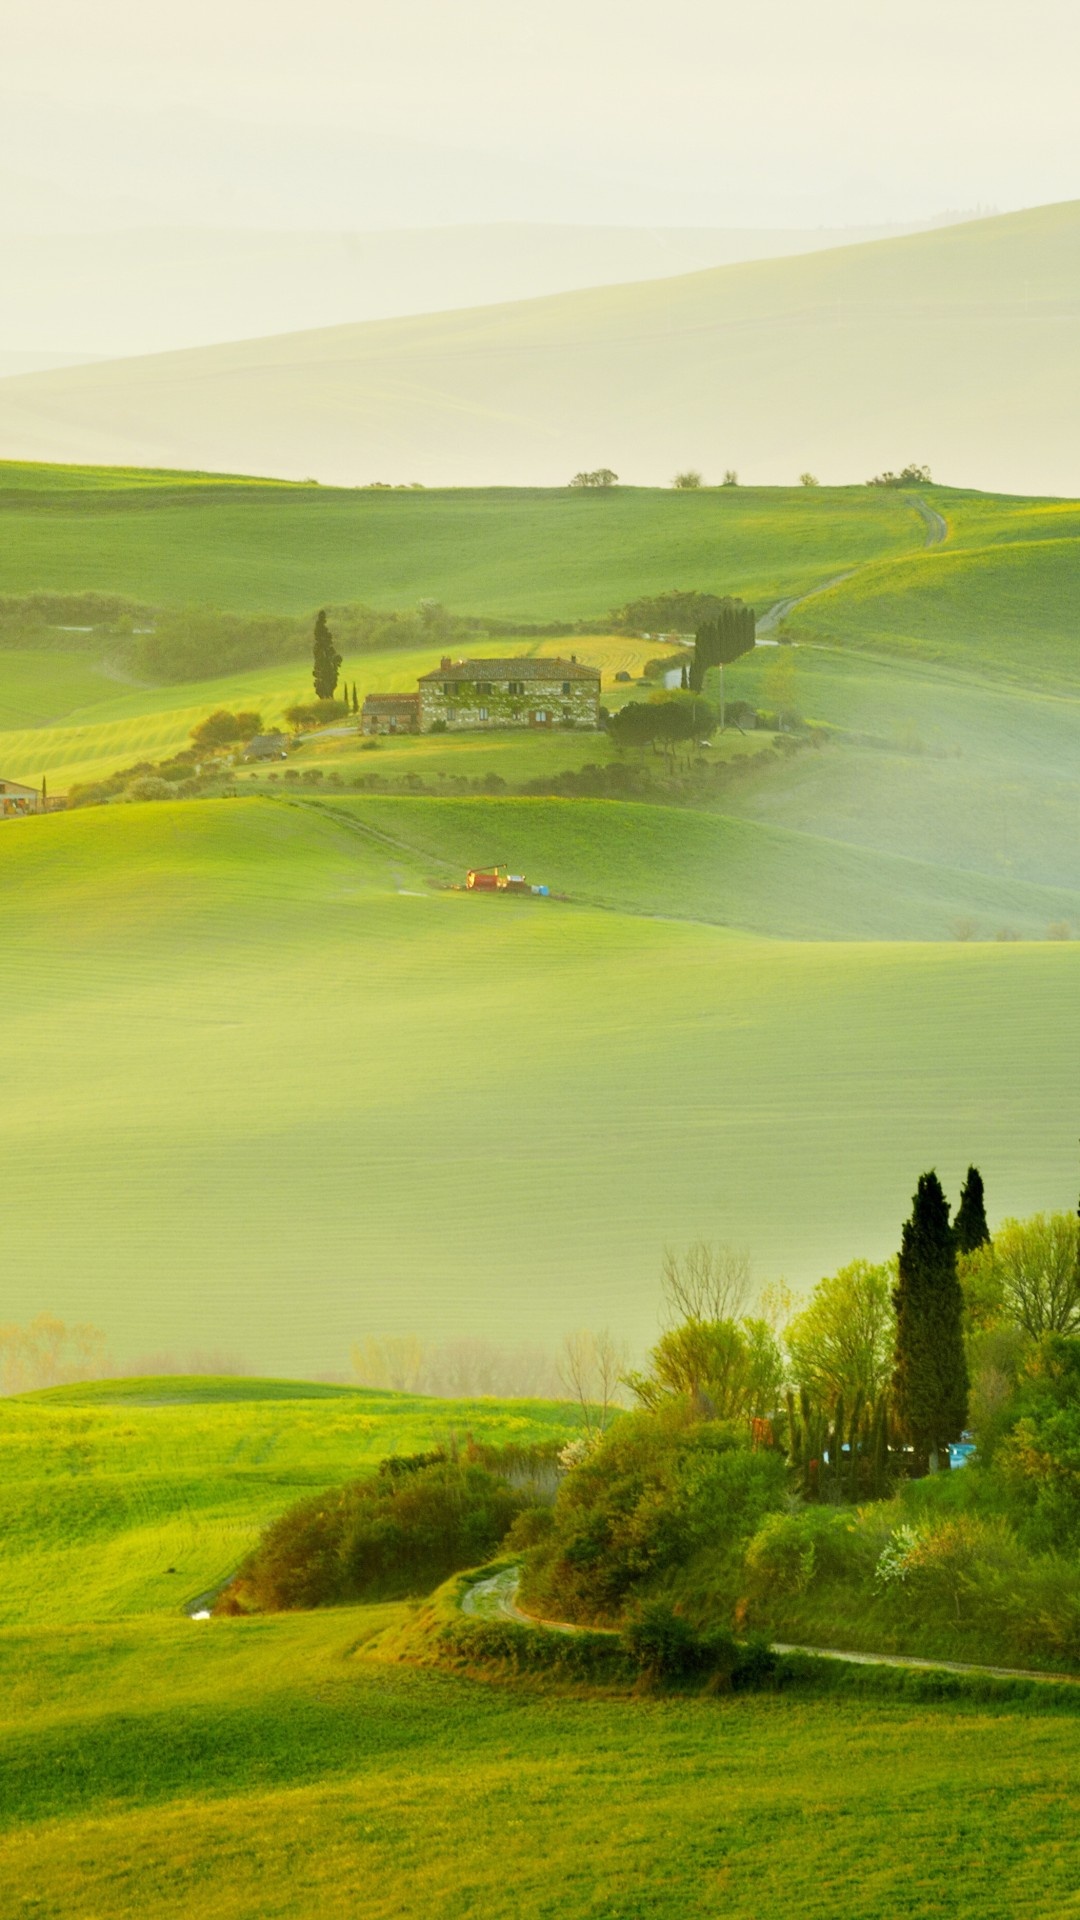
{"type": "Point", "coordinates": [970, 1225]}
{"type": "Point", "coordinates": [222, 729]}
{"type": "Point", "coordinates": [599, 477]}
{"type": "Point", "coordinates": [842, 1343]}
{"type": "Point", "coordinates": [1036, 1265]}
{"type": "Point", "coordinates": [680, 610]}
{"type": "Point", "coordinates": [665, 717]}
{"type": "Point", "coordinates": [326, 659]}
{"type": "Point", "coordinates": [931, 1377]}
{"type": "Point", "coordinates": [722, 1369]}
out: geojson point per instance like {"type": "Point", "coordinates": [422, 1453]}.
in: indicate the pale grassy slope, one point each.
{"type": "Point", "coordinates": [956, 347]}
{"type": "Point", "coordinates": [266, 1092]}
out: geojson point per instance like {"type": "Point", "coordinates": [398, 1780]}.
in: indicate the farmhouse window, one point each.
{"type": "Point", "coordinates": [447, 687]}
{"type": "Point", "coordinates": [566, 686]}
{"type": "Point", "coordinates": [483, 713]}
{"type": "Point", "coordinates": [515, 686]}
{"type": "Point", "coordinates": [484, 686]}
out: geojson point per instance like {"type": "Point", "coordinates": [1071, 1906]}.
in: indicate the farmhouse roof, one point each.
{"type": "Point", "coordinates": [16, 787]}
{"type": "Point", "coordinates": [390, 702]}
{"type": "Point", "coordinates": [517, 667]}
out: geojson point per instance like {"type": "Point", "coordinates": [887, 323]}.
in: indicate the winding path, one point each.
{"type": "Point", "coordinates": [937, 530]}
{"type": "Point", "coordinates": [496, 1598]}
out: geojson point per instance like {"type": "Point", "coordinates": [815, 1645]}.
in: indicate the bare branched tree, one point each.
{"type": "Point", "coordinates": [706, 1283]}
{"type": "Point", "coordinates": [46, 1352]}
{"type": "Point", "coordinates": [467, 1368]}
{"type": "Point", "coordinates": [396, 1363]}
{"type": "Point", "coordinates": [591, 1368]}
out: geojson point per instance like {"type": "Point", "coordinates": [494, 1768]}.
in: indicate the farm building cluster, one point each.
{"type": "Point", "coordinates": [519, 692]}
{"type": "Point", "coordinates": [16, 799]}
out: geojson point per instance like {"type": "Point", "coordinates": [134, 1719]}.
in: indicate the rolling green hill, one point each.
{"type": "Point", "coordinates": [184, 540]}
{"type": "Point", "coordinates": [954, 347]}
{"type": "Point", "coordinates": [267, 1089]}
{"type": "Point", "coordinates": [137, 1496]}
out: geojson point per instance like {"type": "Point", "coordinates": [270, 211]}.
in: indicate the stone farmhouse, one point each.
{"type": "Point", "coordinates": [523, 691]}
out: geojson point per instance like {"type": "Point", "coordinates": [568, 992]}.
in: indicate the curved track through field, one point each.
{"type": "Point", "coordinates": [496, 1598]}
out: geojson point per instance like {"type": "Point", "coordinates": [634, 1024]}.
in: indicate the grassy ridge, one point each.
{"type": "Point", "coordinates": [527, 553]}
{"type": "Point", "coordinates": [224, 1080]}
{"type": "Point", "coordinates": [135, 1498]}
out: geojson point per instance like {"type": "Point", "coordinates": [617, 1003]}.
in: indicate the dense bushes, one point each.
{"type": "Point", "coordinates": [222, 729]}
{"type": "Point", "coordinates": [979, 1564]}
{"type": "Point", "coordinates": [663, 1489]}
{"type": "Point", "coordinates": [402, 1532]}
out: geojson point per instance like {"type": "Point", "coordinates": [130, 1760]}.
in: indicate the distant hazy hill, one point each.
{"type": "Point", "coordinates": [155, 289]}
{"type": "Point", "coordinates": [956, 347]}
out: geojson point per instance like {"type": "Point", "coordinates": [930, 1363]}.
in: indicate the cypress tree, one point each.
{"type": "Point", "coordinates": [931, 1377]}
{"type": "Point", "coordinates": [355, 701]}
{"type": "Point", "coordinates": [970, 1225]}
{"type": "Point", "coordinates": [326, 659]}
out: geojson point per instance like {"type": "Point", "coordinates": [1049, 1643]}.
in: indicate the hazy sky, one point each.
{"type": "Point", "coordinates": [425, 111]}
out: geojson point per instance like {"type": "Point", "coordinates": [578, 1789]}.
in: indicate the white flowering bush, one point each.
{"type": "Point", "coordinates": [897, 1557]}
{"type": "Point", "coordinates": [576, 1452]}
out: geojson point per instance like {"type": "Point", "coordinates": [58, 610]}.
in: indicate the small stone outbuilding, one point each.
{"type": "Point", "coordinates": [390, 713]}
{"type": "Point", "coordinates": [266, 746]}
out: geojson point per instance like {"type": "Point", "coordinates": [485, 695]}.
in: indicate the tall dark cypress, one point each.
{"type": "Point", "coordinates": [931, 1377]}
{"type": "Point", "coordinates": [325, 659]}
{"type": "Point", "coordinates": [970, 1225]}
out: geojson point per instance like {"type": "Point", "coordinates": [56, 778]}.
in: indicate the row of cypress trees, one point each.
{"type": "Point", "coordinates": [721, 638]}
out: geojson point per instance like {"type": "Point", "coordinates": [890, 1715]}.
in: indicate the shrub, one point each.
{"type": "Point", "coordinates": [222, 729]}
{"type": "Point", "coordinates": [413, 1524]}
{"type": "Point", "coordinates": [532, 1526]}
{"type": "Point", "coordinates": [316, 713]}
{"type": "Point", "coordinates": [661, 1643]}
{"type": "Point", "coordinates": [660, 1489]}
{"type": "Point", "coordinates": [790, 1550]}
{"type": "Point", "coordinates": [149, 787]}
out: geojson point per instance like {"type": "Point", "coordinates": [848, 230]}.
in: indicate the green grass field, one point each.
{"type": "Point", "coordinates": [280, 1766]}
{"type": "Point", "coordinates": [269, 1091]}
{"type": "Point", "coordinates": [136, 1497]}
{"type": "Point", "coordinates": [269, 1768]}
{"type": "Point", "coordinates": [515, 553]}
